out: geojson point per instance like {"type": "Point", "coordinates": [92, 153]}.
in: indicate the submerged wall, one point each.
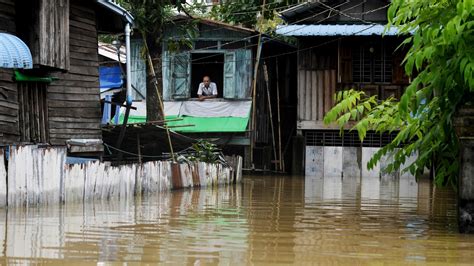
{"type": "Point", "coordinates": [40, 176]}
{"type": "Point", "coordinates": [336, 161]}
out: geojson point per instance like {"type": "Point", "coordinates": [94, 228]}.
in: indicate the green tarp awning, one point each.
{"type": "Point", "coordinates": [200, 124]}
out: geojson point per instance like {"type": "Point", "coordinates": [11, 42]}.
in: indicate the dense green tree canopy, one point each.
{"type": "Point", "coordinates": [440, 62]}
{"type": "Point", "coordinates": [246, 12]}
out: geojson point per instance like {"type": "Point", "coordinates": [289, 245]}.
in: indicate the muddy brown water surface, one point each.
{"type": "Point", "coordinates": [265, 220]}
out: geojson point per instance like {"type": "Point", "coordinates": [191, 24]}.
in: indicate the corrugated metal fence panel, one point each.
{"type": "Point", "coordinates": [50, 163]}
{"type": "Point", "coordinates": [186, 175]}
{"type": "Point", "coordinates": [165, 175]}
{"type": "Point", "coordinates": [41, 176]}
{"type": "Point", "coordinates": [35, 175]}
{"type": "Point", "coordinates": [3, 180]}
{"type": "Point", "coordinates": [205, 178]}
{"type": "Point", "coordinates": [316, 89]}
{"type": "Point", "coordinates": [150, 177]}
{"type": "Point", "coordinates": [126, 177]}
{"type": "Point", "coordinates": [19, 168]}
{"type": "Point", "coordinates": [74, 183]}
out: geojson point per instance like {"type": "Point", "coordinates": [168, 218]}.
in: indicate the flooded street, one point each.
{"type": "Point", "coordinates": [264, 220]}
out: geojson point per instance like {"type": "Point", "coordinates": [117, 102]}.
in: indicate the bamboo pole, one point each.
{"type": "Point", "coordinates": [254, 89]}
{"type": "Point", "coordinates": [139, 150]}
{"type": "Point", "coordinates": [280, 157]}
{"type": "Point", "coordinates": [160, 101]}
{"type": "Point", "coordinates": [265, 74]}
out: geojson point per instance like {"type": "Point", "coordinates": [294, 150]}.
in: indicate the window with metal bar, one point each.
{"type": "Point", "coordinates": [372, 63]}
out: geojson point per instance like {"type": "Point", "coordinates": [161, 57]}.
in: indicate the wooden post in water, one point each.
{"type": "Point", "coordinates": [280, 157]}
{"type": "Point", "coordinates": [118, 144]}
{"type": "Point", "coordinates": [464, 125]}
{"type": "Point", "coordinates": [254, 91]}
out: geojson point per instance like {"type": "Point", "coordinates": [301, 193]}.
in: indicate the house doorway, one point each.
{"type": "Point", "coordinates": [207, 64]}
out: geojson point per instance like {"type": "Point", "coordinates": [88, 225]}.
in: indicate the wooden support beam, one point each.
{"type": "Point", "coordinates": [265, 74]}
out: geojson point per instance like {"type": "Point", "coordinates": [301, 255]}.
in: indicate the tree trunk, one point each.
{"type": "Point", "coordinates": [153, 109]}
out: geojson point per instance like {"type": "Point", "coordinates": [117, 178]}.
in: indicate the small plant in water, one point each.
{"type": "Point", "coordinates": [203, 151]}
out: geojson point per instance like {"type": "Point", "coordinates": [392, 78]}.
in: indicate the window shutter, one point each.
{"type": "Point", "coordinates": [229, 75]}
{"type": "Point", "coordinates": [243, 81]}
{"type": "Point", "coordinates": [237, 74]}
{"type": "Point", "coordinates": [138, 70]}
{"type": "Point", "coordinates": [166, 73]}
{"type": "Point", "coordinates": [52, 46]}
{"type": "Point", "coordinates": [180, 75]}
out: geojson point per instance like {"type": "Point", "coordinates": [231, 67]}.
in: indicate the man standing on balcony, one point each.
{"type": "Point", "coordinates": [207, 89]}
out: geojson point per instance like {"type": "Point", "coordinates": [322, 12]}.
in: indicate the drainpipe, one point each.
{"type": "Point", "coordinates": [128, 63]}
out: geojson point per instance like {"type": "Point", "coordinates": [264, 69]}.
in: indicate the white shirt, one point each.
{"type": "Point", "coordinates": [212, 90]}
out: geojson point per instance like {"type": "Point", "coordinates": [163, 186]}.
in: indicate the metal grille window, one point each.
{"type": "Point", "coordinates": [372, 63]}
{"type": "Point", "coordinates": [33, 116]}
{"type": "Point", "coordinates": [349, 139]}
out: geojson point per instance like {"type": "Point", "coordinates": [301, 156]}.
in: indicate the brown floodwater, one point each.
{"type": "Point", "coordinates": [265, 220]}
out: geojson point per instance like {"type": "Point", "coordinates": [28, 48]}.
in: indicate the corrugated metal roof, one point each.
{"type": "Point", "coordinates": [14, 53]}
{"type": "Point", "coordinates": [335, 30]}
{"type": "Point", "coordinates": [110, 51]}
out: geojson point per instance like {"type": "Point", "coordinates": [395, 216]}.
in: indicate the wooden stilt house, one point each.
{"type": "Point", "coordinates": [341, 45]}
{"type": "Point", "coordinates": [227, 54]}
{"type": "Point", "coordinates": [56, 98]}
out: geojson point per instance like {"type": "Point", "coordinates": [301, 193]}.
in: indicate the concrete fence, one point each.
{"type": "Point", "coordinates": [333, 161]}
{"type": "Point", "coordinates": [41, 176]}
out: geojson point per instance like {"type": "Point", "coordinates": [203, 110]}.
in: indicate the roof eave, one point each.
{"type": "Point", "coordinates": [117, 9]}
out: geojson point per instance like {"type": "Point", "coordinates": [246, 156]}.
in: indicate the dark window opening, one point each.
{"type": "Point", "coordinates": [207, 64]}
{"type": "Point", "coordinates": [206, 45]}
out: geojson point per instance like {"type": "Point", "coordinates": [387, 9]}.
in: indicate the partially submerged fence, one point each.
{"type": "Point", "coordinates": [38, 175]}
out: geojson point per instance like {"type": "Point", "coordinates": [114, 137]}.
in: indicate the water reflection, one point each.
{"type": "Point", "coordinates": [265, 220]}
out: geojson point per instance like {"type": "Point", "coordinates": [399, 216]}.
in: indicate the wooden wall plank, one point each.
{"type": "Point", "coordinates": [74, 119]}
{"type": "Point", "coordinates": [314, 95]}
{"type": "Point", "coordinates": [327, 90]}
{"type": "Point", "coordinates": [73, 104]}
{"type": "Point", "coordinates": [320, 89]}
{"type": "Point", "coordinates": [7, 111]}
{"type": "Point", "coordinates": [333, 74]}
{"type": "Point", "coordinates": [76, 124]}
{"type": "Point", "coordinates": [9, 128]}
{"type": "Point", "coordinates": [88, 63]}
{"type": "Point", "coordinates": [72, 90]}
{"type": "Point", "coordinates": [53, 34]}
{"type": "Point", "coordinates": [86, 112]}
{"type": "Point", "coordinates": [74, 23]}
{"type": "Point", "coordinates": [301, 92]}
{"type": "Point", "coordinates": [74, 97]}
{"type": "Point", "coordinates": [73, 100]}
{"type": "Point", "coordinates": [308, 96]}
{"type": "Point", "coordinates": [7, 16]}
